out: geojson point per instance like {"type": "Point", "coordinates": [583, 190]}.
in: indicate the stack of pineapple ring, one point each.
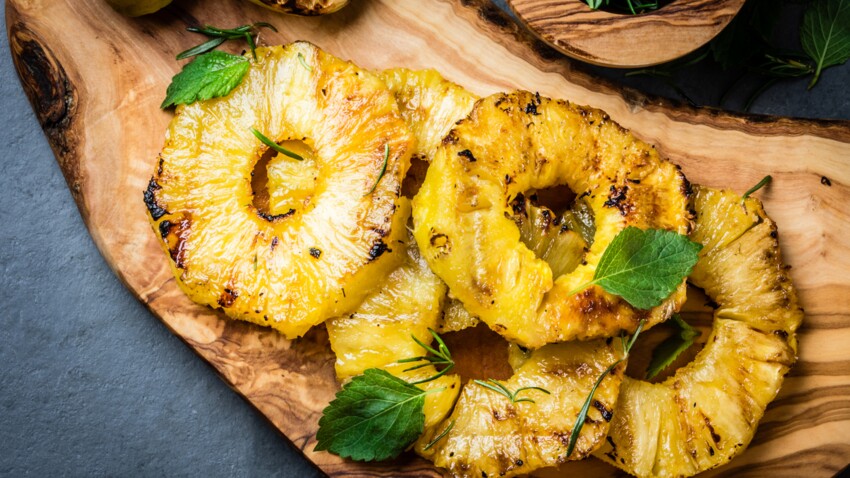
{"type": "Point", "coordinates": [474, 247]}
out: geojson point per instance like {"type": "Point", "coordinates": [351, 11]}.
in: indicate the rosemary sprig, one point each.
{"type": "Point", "coordinates": [303, 62]}
{"type": "Point", "coordinates": [271, 144]}
{"type": "Point", "coordinates": [221, 35]}
{"type": "Point", "coordinates": [764, 182]}
{"type": "Point", "coordinates": [383, 169]}
{"type": "Point", "coordinates": [582, 414]}
{"type": "Point", "coordinates": [440, 436]}
{"type": "Point", "coordinates": [439, 357]}
{"type": "Point", "coordinates": [498, 387]}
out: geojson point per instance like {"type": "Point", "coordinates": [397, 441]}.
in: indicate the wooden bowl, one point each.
{"type": "Point", "coordinates": [623, 40]}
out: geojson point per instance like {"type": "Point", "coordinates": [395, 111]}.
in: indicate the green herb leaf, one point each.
{"type": "Point", "coordinates": [582, 414]}
{"type": "Point", "coordinates": [825, 34]}
{"type": "Point", "coordinates": [202, 48]}
{"type": "Point", "coordinates": [764, 182]}
{"type": "Point", "coordinates": [303, 62]}
{"type": "Point", "coordinates": [666, 352]}
{"type": "Point", "coordinates": [440, 436]}
{"type": "Point", "coordinates": [271, 144]}
{"type": "Point", "coordinates": [374, 417]}
{"type": "Point", "coordinates": [383, 169]}
{"type": "Point", "coordinates": [645, 266]}
{"type": "Point", "coordinates": [210, 75]}
{"type": "Point", "coordinates": [220, 35]}
{"type": "Point", "coordinates": [436, 357]}
{"type": "Point", "coordinates": [498, 387]}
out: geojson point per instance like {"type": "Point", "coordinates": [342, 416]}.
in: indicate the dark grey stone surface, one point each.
{"type": "Point", "coordinates": [91, 383]}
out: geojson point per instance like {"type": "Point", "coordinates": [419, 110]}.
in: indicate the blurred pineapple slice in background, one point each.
{"type": "Point", "coordinates": [707, 413]}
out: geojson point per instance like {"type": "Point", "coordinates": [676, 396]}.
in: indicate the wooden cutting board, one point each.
{"type": "Point", "coordinates": [95, 80]}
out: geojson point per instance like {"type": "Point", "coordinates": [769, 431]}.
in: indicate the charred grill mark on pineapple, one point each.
{"type": "Point", "coordinates": [441, 243]}
{"type": "Point", "coordinates": [275, 217]}
{"type": "Point", "coordinates": [176, 236]}
{"type": "Point", "coordinates": [378, 248]}
{"type": "Point", "coordinates": [607, 413]}
{"type": "Point", "coordinates": [467, 154]}
{"type": "Point", "coordinates": [507, 414]}
{"type": "Point", "coordinates": [617, 198]}
{"type": "Point", "coordinates": [228, 297]}
{"type": "Point", "coordinates": [156, 211]}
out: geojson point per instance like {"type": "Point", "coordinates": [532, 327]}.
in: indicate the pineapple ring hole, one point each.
{"type": "Point", "coordinates": [698, 312]}
{"type": "Point", "coordinates": [557, 198]}
{"type": "Point", "coordinates": [478, 353]}
{"type": "Point", "coordinates": [282, 185]}
{"type": "Point", "coordinates": [544, 230]}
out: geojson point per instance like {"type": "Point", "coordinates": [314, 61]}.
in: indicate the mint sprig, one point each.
{"type": "Point", "coordinates": [210, 75]}
{"type": "Point", "coordinates": [220, 35]}
{"type": "Point", "coordinates": [439, 357]}
{"type": "Point", "coordinates": [666, 352]}
{"type": "Point", "coordinates": [374, 417]}
{"type": "Point", "coordinates": [644, 266]}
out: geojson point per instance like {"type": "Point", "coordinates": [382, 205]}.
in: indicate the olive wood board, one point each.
{"type": "Point", "coordinates": [96, 79]}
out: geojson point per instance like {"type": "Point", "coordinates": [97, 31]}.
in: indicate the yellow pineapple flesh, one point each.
{"type": "Point", "coordinates": [512, 143]}
{"type": "Point", "coordinates": [429, 103]}
{"type": "Point", "coordinates": [707, 413]}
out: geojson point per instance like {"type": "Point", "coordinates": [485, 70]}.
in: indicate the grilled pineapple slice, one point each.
{"type": "Point", "coordinates": [303, 7]}
{"type": "Point", "coordinates": [491, 436]}
{"type": "Point", "coordinates": [378, 333]}
{"type": "Point", "coordinates": [511, 143]}
{"type": "Point", "coordinates": [707, 413]}
{"type": "Point", "coordinates": [430, 104]}
{"type": "Point", "coordinates": [296, 269]}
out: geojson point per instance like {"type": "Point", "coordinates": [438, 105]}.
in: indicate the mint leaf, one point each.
{"type": "Point", "coordinates": [210, 75]}
{"type": "Point", "coordinates": [645, 266]}
{"type": "Point", "coordinates": [374, 417]}
{"type": "Point", "coordinates": [666, 352]}
{"type": "Point", "coordinates": [825, 34]}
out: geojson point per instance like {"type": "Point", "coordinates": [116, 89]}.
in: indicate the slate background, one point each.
{"type": "Point", "coordinates": [92, 384]}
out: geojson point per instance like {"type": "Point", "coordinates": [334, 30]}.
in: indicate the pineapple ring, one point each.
{"type": "Point", "coordinates": [514, 142]}
{"type": "Point", "coordinates": [490, 435]}
{"type": "Point", "coordinates": [293, 270]}
{"type": "Point", "coordinates": [707, 413]}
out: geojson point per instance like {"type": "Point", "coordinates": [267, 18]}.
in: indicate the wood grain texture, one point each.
{"type": "Point", "coordinates": [96, 79]}
{"type": "Point", "coordinates": [626, 41]}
